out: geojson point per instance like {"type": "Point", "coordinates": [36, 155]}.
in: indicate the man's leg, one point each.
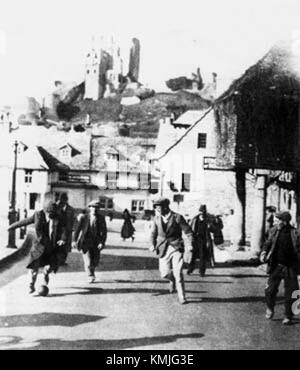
{"type": "Point", "coordinates": [95, 259]}
{"type": "Point", "coordinates": [272, 289]}
{"type": "Point", "coordinates": [46, 272]}
{"type": "Point", "coordinates": [290, 285]}
{"type": "Point", "coordinates": [87, 259]}
{"type": "Point", "coordinates": [191, 266]}
{"type": "Point", "coordinates": [203, 257]}
{"type": "Point", "coordinates": [33, 276]}
{"type": "Point", "coordinates": [165, 268]}
{"type": "Point", "coordinates": [177, 263]}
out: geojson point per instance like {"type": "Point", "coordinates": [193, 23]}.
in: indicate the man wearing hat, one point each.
{"type": "Point", "coordinates": [203, 245]}
{"type": "Point", "coordinates": [67, 215]}
{"type": "Point", "coordinates": [166, 238]}
{"type": "Point", "coordinates": [90, 237]}
{"type": "Point", "coordinates": [282, 254]}
{"type": "Point", "coordinates": [48, 248]}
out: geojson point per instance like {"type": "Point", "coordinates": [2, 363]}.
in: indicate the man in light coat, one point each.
{"type": "Point", "coordinates": [167, 242]}
{"type": "Point", "coordinates": [90, 238]}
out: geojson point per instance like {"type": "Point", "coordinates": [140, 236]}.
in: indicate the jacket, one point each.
{"type": "Point", "coordinates": [81, 230]}
{"type": "Point", "coordinates": [161, 239]}
{"type": "Point", "coordinates": [44, 247]}
{"type": "Point", "coordinates": [209, 244]}
{"type": "Point", "coordinates": [269, 247]}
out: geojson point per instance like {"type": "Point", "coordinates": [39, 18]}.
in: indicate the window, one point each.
{"type": "Point", "coordinates": [112, 180]}
{"type": "Point", "coordinates": [65, 152]}
{"type": "Point", "coordinates": [109, 204]}
{"type": "Point", "coordinates": [112, 157]}
{"type": "Point", "coordinates": [106, 203]}
{"type": "Point", "coordinates": [138, 206]}
{"type": "Point", "coordinates": [28, 176]}
{"type": "Point", "coordinates": [144, 181]}
{"type": "Point", "coordinates": [33, 197]}
{"type": "Point", "coordinates": [186, 182]}
{"type": "Point", "coordinates": [202, 141]}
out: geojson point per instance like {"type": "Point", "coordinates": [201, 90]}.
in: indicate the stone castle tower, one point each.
{"type": "Point", "coordinates": [104, 67]}
{"type": "Point", "coordinates": [92, 75]}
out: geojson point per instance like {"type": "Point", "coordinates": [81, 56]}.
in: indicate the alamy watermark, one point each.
{"type": "Point", "coordinates": [296, 304]}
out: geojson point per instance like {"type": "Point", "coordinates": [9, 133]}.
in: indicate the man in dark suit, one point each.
{"type": "Point", "coordinates": [67, 214]}
{"type": "Point", "coordinates": [203, 245]}
{"type": "Point", "coordinates": [282, 254]}
{"type": "Point", "coordinates": [166, 238]}
{"type": "Point", "coordinates": [90, 238]}
{"type": "Point", "coordinates": [48, 248]}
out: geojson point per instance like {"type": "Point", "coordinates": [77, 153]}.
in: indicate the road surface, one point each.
{"type": "Point", "coordinates": [129, 308]}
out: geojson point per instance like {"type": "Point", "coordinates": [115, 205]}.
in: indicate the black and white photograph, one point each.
{"type": "Point", "coordinates": [149, 177]}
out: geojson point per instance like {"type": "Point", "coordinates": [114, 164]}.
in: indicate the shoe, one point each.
{"type": "Point", "coordinates": [172, 287]}
{"type": "Point", "coordinates": [92, 279]}
{"type": "Point", "coordinates": [269, 314]}
{"type": "Point", "coordinates": [189, 272]}
{"type": "Point", "coordinates": [287, 322]}
{"type": "Point", "coordinates": [31, 289]}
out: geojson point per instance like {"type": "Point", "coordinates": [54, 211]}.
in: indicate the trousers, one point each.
{"type": "Point", "coordinates": [91, 260]}
{"type": "Point", "coordinates": [171, 268]}
{"type": "Point", "coordinates": [289, 275]}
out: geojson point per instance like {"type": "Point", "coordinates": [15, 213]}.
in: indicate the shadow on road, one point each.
{"type": "Point", "coordinates": [102, 344]}
{"type": "Point", "coordinates": [112, 263]}
{"type": "Point", "coordinates": [99, 291]}
{"type": "Point", "coordinates": [249, 299]}
{"type": "Point", "coordinates": [47, 319]}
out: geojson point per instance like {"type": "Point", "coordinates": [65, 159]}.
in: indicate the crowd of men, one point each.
{"type": "Point", "coordinates": [56, 236]}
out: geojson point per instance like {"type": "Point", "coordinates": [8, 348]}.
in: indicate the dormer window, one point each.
{"type": "Point", "coordinates": [67, 152]}
{"type": "Point", "coordinates": [112, 155]}
{"type": "Point", "coordinates": [22, 148]}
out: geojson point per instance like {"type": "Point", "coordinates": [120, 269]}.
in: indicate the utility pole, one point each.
{"type": "Point", "coordinates": [12, 215]}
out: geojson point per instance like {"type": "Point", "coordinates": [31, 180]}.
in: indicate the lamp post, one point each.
{"type": "Point", "coordinates": [12, 214]}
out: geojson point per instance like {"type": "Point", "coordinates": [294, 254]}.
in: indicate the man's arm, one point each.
{"type": "Point", "coordinates": [267, 246]}
{"type": "Point", "coordinates": [103, 231]}
{"type": "Point", "coordinates": [187, 231]}
{"type": "Point", "coordinates": [22, 223]}
{"type": "Point", "coordinates": [154, 235]}
{"type": "Point", "coordinates": [78, 228]}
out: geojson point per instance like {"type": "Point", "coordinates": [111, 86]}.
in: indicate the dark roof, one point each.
{"type": "Point", "coordinates": [257, 118]}
{"type": "Point", "coordinates": [53, 163]}
{"type": "Point", "coordinates": [279, 64]}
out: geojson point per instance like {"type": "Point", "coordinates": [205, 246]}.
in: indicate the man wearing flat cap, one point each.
{"type": "Point", "coordinates": [282, 254]}
{"type": "Point", "coordinates": [48, 248]}
{"type": "Point", "coordinates": [167, 242]}
{"type": "Point", "coordinates": [203, 245]}
{"type": "Point", "coordinates": [90, 238]}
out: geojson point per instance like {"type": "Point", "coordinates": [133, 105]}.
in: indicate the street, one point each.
{"type": "Point", "coordinates": [129, 307]}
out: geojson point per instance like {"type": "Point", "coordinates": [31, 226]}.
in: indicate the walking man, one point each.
{"type": "Point", "coordinates": [90, 238]}
{"type": "Point", "coordinates": [166, 237]}
{"type": "Point", "coordinates": [48, 246]}
{"type": "Point", "coordinates": [282, 253]}
{"type": "Point", "coordinates": [203, 245]}
{"type": "Point", "coordinates": [67, 215]}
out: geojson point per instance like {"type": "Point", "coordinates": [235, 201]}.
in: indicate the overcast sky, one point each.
{"type": "Point", "coordinates": [45, 40]}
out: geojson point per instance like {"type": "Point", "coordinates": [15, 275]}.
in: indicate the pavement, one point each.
{"type": "Point", "coordinates": [129, 307]}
